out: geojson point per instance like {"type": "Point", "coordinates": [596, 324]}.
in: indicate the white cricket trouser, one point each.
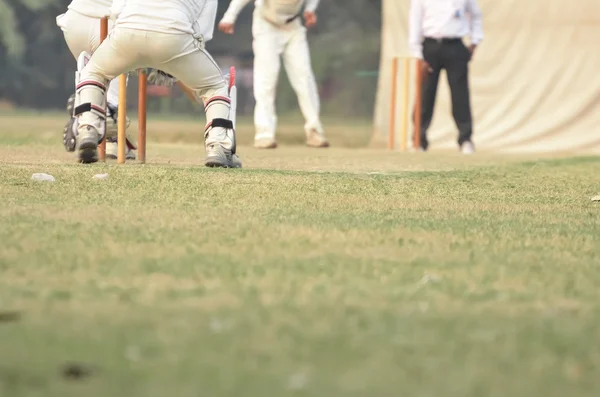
{"type": "Point", "coordinates": [82, 33]}
{"type": "Point", "coordinates": [181, 55]}
{"type": "Point", "coordinates": [270, 43]}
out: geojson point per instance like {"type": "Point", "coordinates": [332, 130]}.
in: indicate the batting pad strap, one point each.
{"type": "Point", "coordinates": [92, 83]}
{"type": "Point", "coordinates": [223, 123]}
{"type": "Point", "coordinates": [88, 107]}
{"type": "Point", "coordinates": [130, 144]}
{"type": "Point", "coordinates": [292, 19]}
{"type": "Point", "coordinates": [217, 99]}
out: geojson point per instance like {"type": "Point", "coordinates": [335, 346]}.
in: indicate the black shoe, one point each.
{"type": "Point", "coordinates": [71, 105]}
{"type": "Point", "coordinates": [69, 139]}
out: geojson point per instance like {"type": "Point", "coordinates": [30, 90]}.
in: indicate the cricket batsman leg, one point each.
{"type": "Point", "coordinates": [114, 56]}
{"type": "Point", "coordinates": [77, 30]}
{"type": "Point", "coordinates": [296, 58]}
{"type": "Point", "coordinates": [112, 122]}
{"type": "Point", "coordinates": [219, 134]}
{"type": "Point", "coordinates": [198, 71]}
{"type": "Point", "coordinates": [82, 34]}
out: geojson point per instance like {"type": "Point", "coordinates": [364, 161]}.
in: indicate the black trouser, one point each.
{"type": "Point", "coordinates": [452, 55]}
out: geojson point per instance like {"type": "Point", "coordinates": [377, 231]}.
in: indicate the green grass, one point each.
{"type": "Point", "coordinates": [304, 274]}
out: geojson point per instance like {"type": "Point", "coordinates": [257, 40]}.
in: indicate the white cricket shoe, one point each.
{"type": "Point", "coordinates": [467, 148]}
{"type": "Point", "coordinates": [88, 139]}
{"type": "Point", "coordinates": [217, 156]}
{"type": "Point", "coordinates": [220, 147]}
{"type": "Point", "coordinates": [316, 140]}
{"type": "Point", "coordinates": [265, 143]}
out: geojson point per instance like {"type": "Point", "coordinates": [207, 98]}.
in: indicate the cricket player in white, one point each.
{"type": "Point", "coordinates": [164, 35]}
{"type": "Point", "coordinates": [81, 28]}
{"type": "Point", "coordinates": [278, 31]}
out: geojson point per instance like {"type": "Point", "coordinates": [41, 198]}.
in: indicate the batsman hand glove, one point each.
{"type": "Point", "coordinates": [158, 77]}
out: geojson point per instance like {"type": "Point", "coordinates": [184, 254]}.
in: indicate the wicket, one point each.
{"type": "Point", "coordinates": [405, 104]}
{"type": "Point", "coordinates": [103, 35]}
{"type": "Point", "coordinates": [122, 115]}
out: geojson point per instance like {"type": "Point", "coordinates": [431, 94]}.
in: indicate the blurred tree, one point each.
{"type": "Point", "coordinates": [10, 34]}
{"type": "Point", "coordinates": [29, 41]}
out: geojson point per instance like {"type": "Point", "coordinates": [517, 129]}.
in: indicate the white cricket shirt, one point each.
{"type": "Point", "coordinates": [278, 12]}
{"type": "Point", "coordinates": [162, 16]}
{"type": "Point", "coordinates": [443, 19]}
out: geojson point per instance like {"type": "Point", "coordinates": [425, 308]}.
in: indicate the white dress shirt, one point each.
{"type": "Point", "coordinates": [443, 19]}
{"type": "Point", "coordinates": [275, 11]}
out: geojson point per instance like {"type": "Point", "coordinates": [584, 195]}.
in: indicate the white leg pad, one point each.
{"type": "Point", "coordinates": [90, 99]}
{"type": "Point", "coordinates": [220, 127]}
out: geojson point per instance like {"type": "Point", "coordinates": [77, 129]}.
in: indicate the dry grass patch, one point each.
{"type": "Point", "coordinates": [304, 274]}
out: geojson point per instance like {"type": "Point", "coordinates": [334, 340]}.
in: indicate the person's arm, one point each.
{"type": "Point", "coordinates": [235, 7]}
{"type": "Point", "coordinates": [310, 13]}
{"type": "Point", "coordinates": [311, 5]}
{"type": "Point", "coordinates": [476, 23]}
{"type": "Point", "coordinates": [415, 29]}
